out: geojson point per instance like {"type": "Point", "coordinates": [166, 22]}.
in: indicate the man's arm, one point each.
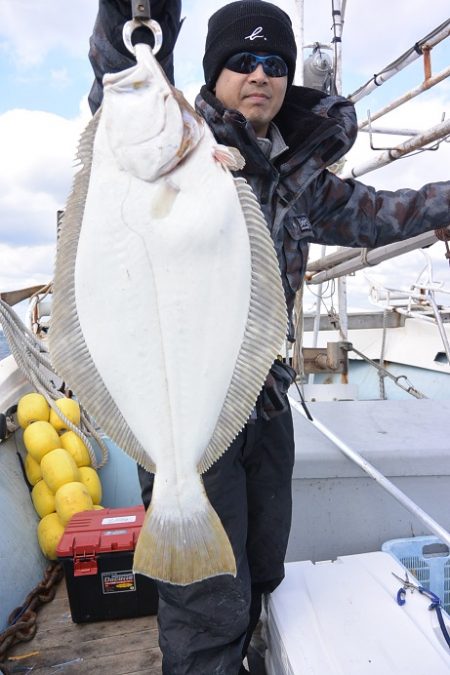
{"type": "Point", "coordinates": [108, 53]}
{"type": "Point", "coordinates": [349, 213]}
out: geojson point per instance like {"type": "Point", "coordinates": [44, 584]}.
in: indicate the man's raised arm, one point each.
{"type": "Point", "coordinates": [108, 53]}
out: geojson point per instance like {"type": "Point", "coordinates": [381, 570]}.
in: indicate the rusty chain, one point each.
{"type": "Point", "coordinates": [22, 620]}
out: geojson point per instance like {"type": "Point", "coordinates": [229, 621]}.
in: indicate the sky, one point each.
{"type": "Point", "coordinates": [45, 78]}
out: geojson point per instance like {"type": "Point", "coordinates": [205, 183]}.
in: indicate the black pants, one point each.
{"type": "Point", "coordinates": [205, 628]}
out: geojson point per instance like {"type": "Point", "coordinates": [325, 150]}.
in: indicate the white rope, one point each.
{"type": "Point", "coordinates": [32, 357]}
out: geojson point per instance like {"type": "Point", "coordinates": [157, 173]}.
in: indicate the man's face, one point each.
{"type": "Point", "coordinates": [256, 95]}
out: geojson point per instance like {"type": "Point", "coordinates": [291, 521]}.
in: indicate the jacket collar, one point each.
{"type": "Point", "coordinates": [231, 128]}
{"type": "Point", "coordinates": [311, 122]}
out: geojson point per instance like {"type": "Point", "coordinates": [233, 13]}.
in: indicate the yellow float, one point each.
{"type": "Point", "coordinates": [70, 408]}
{"type": "Point", "coordinates": [50, 530]}
{"type": "Point", "coordinates": [32, 469]}
{"type": "Point", "coordinates": [73, 444]}
{"type": "Point", "coordinates": [32, 408]}
{"type": "Point", "coordinates": [58, 467]}
{"type": "Point", "coordinates": [39, 438]}
{"type": "Point", "coordinates": [89, 477]}
{"type": "Point", "coordinates": [43, 499]}
{"type": "Point", "coordinates": [72, 498]}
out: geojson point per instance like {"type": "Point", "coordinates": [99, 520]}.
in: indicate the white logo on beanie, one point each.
{"type": "Point", "coordinates": [256, 34]}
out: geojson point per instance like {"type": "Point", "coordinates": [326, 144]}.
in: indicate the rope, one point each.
{"type": "Point", "coordinates": [436, 603]}
{"type": "Point", "coordinates": [31, 357]}
{"type": "Point", "coordinates": [410, 389]}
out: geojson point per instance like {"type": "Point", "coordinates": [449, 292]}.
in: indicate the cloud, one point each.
{"type": "Point", "coordinates": [33, 29]}
{"type": "Point", "coordinates": [60, 78]}
{"type": "Point", "coordinates": [22, 266]}
{"type": "Point", "coordinates": [38, 150]}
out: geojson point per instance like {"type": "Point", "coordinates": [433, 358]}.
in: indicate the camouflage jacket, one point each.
{"type": "Point", "coordinates": [302, 201]}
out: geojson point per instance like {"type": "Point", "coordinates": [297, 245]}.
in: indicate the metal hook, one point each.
{"type": "Point", "coordinates": [153, 26]}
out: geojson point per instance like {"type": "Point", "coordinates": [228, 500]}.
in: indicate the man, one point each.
{"type": "Point", "coordinates": [288, 136]}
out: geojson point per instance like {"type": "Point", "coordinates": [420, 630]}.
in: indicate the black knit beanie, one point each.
{"type": "Point", "coordinates": [248, 26]}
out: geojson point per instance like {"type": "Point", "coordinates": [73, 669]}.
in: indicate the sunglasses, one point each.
{"type": "Point", "coordinates": [246, 62]}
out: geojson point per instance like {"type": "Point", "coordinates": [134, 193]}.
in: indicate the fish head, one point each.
{"type": "Point", "coordinates": [145, 124]}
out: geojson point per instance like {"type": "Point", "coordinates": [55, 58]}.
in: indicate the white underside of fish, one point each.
{"type": "Point", "coordinates": [168, 312]}
{"type": "Point", "coordinates": [171, 300]}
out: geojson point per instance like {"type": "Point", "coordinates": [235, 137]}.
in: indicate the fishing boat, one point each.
{"type": "Point", "coordinates": [370, 484]}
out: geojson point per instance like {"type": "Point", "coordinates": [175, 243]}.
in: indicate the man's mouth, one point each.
{"type": "Point", "coordinates": [257, 96]}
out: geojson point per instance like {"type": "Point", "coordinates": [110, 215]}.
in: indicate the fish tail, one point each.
{"type": "Point", "coordinates": [184, 543]}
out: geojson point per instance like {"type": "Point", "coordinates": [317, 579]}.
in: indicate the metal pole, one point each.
{"type": "Point", "coordinates": [338, 24]}
{"type": "Point", "coordinates": [392, 131]}
{"type": "Point", "coordinates": [430, 82]}
{"type": "Point", "coordinates": [316, 327]}
{"type": "Point", "coordinates": [440, 325]}
{"type": "Point", "coordinates": [298, 28]}
{"type": "Point", "coordinates": [427, 43]}
{"type": "Point", "coordinates": [369, 257]}
{"type": "Point", "coordinates": [438, 132]}
{"type": "Point", "coordinates": [328, 261]}
{"type": "Point", "coordinates": [386, 484]}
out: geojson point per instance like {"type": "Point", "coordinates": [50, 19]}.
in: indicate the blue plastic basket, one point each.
{"type": "Point", "coordinates": [428, 559]}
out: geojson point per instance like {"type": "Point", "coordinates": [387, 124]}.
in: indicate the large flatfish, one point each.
{"type": "Point", "coordinates": [168, 306]}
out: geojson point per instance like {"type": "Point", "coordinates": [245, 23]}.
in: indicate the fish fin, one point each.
{"type": "Point", "coordinates": [264, 333]}
{"type": "Point", "coordinates": [229, 157]}
{"type": "Point", "coordinates": [68, 350]}
{"type": "Point", "coordinates": [185, 543]}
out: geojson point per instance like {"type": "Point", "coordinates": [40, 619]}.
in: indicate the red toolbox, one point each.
{"type": "Point", "coordinates": [97, 551]}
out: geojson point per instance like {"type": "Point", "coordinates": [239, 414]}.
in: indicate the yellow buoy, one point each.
{"type": "Point", "coordinates": [43, 499]}
{"type": "Point", "coordinates": [40, 438]}
{"type": "Point", "coordinates": [72, 498]}
{"type": "Point", "coordinates": [32, 408]}
{"type": "Point", "coordinates": [50, 530]}
{"type": "Point", "coordinates": [70, 408]}
{"type": "Point", "coordinates": [32, 469]}
{"type": "Point", "coordinates": [58, 467]}
{"type": "Point", "coordinates": [73, 444]}
{"type": "Point", "coordinates": [90, 478]}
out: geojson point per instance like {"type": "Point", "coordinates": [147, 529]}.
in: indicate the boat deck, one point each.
{"type": "Point", "coordinates": [128, 646]}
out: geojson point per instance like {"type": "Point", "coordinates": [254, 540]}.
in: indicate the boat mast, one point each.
{"type": "Point", "coordinates": [338, 11]}
{"type": "Point", "coordinates": [298, 28]}
{"type": "Point", "coordinates": [338, 26]}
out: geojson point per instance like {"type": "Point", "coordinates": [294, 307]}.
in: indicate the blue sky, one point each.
{"type": "Point", "coordinates": [45, 77]}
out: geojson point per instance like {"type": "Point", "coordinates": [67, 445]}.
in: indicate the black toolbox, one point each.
{"type": "Point", "coordinates": [97, 551]}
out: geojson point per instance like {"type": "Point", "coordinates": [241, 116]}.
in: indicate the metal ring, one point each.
{"type": "Point", "coordinates": [153, 26]}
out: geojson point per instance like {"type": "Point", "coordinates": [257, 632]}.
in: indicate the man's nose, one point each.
{"type": "Point", "coordinates": [258, 75]}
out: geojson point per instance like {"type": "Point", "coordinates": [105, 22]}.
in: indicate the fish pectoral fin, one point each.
{"type": "Point", "coordinates": [184, 547]}
{"type": "Point", "coordinates": [229, 157]}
